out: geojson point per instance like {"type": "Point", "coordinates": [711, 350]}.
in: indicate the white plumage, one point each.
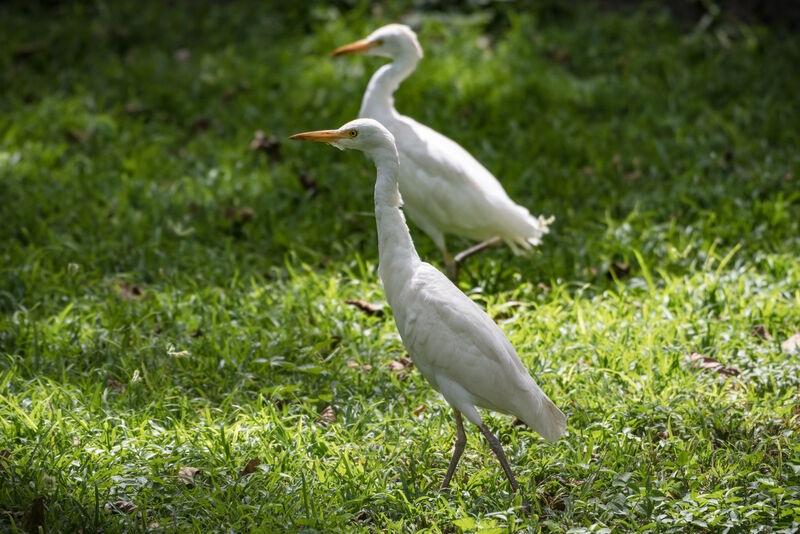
{"type": "Point", "coordinates": [445, 190]}
{"type": "Point", "coordinates": [455, 344]}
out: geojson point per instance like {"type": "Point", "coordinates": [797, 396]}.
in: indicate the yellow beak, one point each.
{"type": "Point", "coordinates": [321, 136]}
{"type": "Point", "coordinates": [358, 47]}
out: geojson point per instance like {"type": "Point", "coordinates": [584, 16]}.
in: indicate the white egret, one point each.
{"type": "Point", "coordinates": [456, 346]}
{"type": "Point", "coordinates": [445, 190]}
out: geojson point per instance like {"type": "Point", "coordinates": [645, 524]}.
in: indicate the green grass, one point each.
{"type": "Point", "coordinates": [144, 330]}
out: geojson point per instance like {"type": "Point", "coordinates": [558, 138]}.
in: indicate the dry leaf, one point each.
{"type": "Point", "coordinates": [123, 507]}
{"type": "Point", "coordinates": [251, 466]}
{"type": "Point", "coordinates": [201, 125]}
{"type": "Point", "coordinates": [366, 367]}
{"type": "Point", "coordinates": [360, 517]}
{"type": "Point", "coordinates": [367, 307]}
{"type": "Point", "coordinates": [78, 136]}
{"type": "Point", "coordinates": [34, 517]}
{"type": "Point", "coordinates": [542, 287]}
{"type": "Point", "coordinates": [186, 475]}
{"type": "Point", "coordinates": [135, 107]}
{"type": "Point", "coordinates": [791, 344]}
{"type": "Point", "coordinates": [327, 416]}
{"type": "Point", "coordinates": [29, 49]}
{"type": "Point", "coordinates": [760, 331]}
{"type": "Point", "coordinates": [267, 144]}
{"type": "Point", "coordinates": [309, 184]}
{"type": "Point", "coordinates": [353, 365]}
{"type": "Point", "coordinates": [402, 364]}
{"type": "Point", "coordinates": [505, 310]}
{"type": "Point", "coordinates": [130, 291]}
{"type": "Point", "coordinates": [115, 385]}
{"type": "Point", "coordinates": [618, 270]}
{"type": "Point", "coordinates": [700, 361]}
{"type": "Point", "coordinates": [419, 409]}
{"type": "Point", "coordinates": [632, 176]}
{"type": "Point", "coordinates": [239, 215]}
{"type": "Point", "coordinates": [182, 55]}
{"type": "Point", "coordinates": [658, 436]}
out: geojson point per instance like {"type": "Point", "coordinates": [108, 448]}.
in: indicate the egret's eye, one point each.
{"type": "Point", "coordinates": [352, 133]}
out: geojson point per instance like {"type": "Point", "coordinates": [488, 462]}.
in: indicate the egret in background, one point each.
{"type": "Point", "coordinates": [445, 190]}
{"type": "Point", "coordinates": [457, 347]}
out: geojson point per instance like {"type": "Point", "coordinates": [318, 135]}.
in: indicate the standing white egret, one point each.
{"type": "Point", "coordinates": [445, 190]}
{"type": "Point", "coordinates": [456, 346]}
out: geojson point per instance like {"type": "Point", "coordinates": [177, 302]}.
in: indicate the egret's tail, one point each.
{"type": "Point", "coordinates": [535, 227]}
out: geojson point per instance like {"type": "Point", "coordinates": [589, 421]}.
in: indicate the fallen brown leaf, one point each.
{"type": "Point", "coordinates": [115, 385]}
{"type": "Point", "coordinates": [34, 517]}
{"type": "Point", "coordinates": [78, 136]}
{"type": "Point", "coordinates": [309, 184]}
{"type": "Point", "coordinates": [134, 107]}
{"type": "Point", "coordinates": [267, 144]}
{"type": "Point", "coordinates": [618, 270]}
{"type": "Point", "coordinates": [702, 362]}
{"type": "Point", "coordinates": [560, 55]}
{"type": "Point", "coordinates": [250, 467]}
{"type": "Point", "coordinates": [130, 291]}
{"type": "Point", "coordinates": [367, 307]}
{"type": "Point", "coordinates": [123, 507]}
{"type": "Point", "coordinates": [240, 88]}
{"type": "Point", "coordinates": [658, 436]}
{"type": "Point", "coordinates": [186, 475]}
{"type": "Point", "coordinates": [327, 416]}
{"type": "Point", "coordinates": [360, 517]}
{"type": "Point", "coordinates": [400, 365]}
{"type": "Point", "coordinates": [239, 215]}
{"type": "Point", "coordinates": [201, 125]}
{"type": "Point", "coordinates": [543, 287]}
{"type": "Point", "coordinates": [792, 343]}
{"type": "Point", "coordinates": [29, 49]}
{"type": "Point", "coordinates": [760, 331]}
{"type": "Point", "coordinates": [419, 409]}
{"type": "Point", "coordinates": [353, 365]}
{"type": "Point", "coordinates": [632, 176]}
{"type": "Point", "coordinates": [505, 310]}
{"type": "Point", "coordinates": [182, 55]}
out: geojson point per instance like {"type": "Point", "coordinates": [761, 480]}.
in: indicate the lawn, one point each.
{"type": "Point", "coordinates": [176, 349]}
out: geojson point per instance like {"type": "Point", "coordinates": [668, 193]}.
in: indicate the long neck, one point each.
{"type": "Point", "coordinates": [397, 256]}
{"type": "Point", "coordinates": [378, 99]}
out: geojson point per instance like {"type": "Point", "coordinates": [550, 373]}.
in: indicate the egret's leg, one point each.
{"type": "Point", "coordinates": [494, 443]}
{"type": "Point", "coordinates": [464, 254]}
{"type": "Point", "coordinates": [450, 265]}
{"type": "Point", "coordinates": [461, 441]}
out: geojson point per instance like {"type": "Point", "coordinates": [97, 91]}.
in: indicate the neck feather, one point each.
{"type": "Point", "coordinates": [397, 256]}
{"type": "Point", "coordinates": [378, 98]}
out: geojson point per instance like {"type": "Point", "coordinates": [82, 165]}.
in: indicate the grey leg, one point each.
{"type": "Point", "coordinates": [461, 441]}
{"type": "Point", "coordinates": [464, 254]}
{"type": "Point", "coordinates": [450, 265]}
{"type": "Point", "coordinates": [494, 443]}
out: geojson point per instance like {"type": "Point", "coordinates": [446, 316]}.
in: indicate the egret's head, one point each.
{"type": "Point", "coordinates": [393, 41]}
{"type": "Point", "coordinates": [367, 135]}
